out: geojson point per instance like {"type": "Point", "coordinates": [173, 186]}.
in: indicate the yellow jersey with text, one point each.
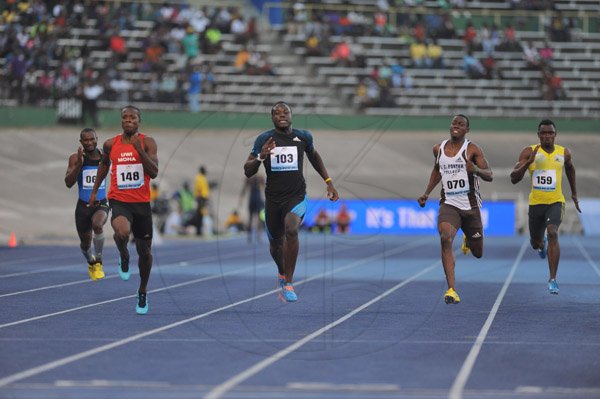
{"type": "Point", "coordinates": [546, 176]}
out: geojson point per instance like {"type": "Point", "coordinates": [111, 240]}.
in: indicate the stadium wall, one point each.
{"type": "Point", "coordinates": [32, 117]}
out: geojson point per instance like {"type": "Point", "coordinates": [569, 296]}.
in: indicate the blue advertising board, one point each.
{"type": "Point", "coordinates": [389, 216]}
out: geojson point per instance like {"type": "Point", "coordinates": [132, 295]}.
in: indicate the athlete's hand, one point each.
{"type": "Point", "coordinates": [92, 201]}
{"type": "Point", "coordinates": [576, 202]}
{"type": "Point", "coordinates": [267, 148]}
{"type": "Point", "coordinates": [332, 193]}
{"type": "Point", "coordinates": [531, 157]}
{"type": "Point", "coordinates": [472, 167]}
{"type": "Point", "coordinates": [422, 200]}
{"type": "Point", "coordinates": [80, 156]}
{"type": "Point", "coordinates": [137, 144]}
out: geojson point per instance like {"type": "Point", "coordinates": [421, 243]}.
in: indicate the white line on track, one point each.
{"type": "Point", "coordinates": [91, 352]}
{"type": "Point", "coordinates": [193, 262]}
{"type": "Point", "coordinates": [587, 256]}
{"type": "Point", "coordinates": [82, 263]}
{"type": "Point", "coordinates": [458, 387]}
{"type": "Point", "coordinates": [231, 383]}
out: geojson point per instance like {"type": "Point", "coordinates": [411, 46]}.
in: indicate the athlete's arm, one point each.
{"type": "Point", "coordinates": [317, 162]}
{"type": "Point", "coordinates": [148, 155]}
{"type": "Point", "coordinates": [570, 172]}
{"type": "Point", "coordinates": [525, 159]}
{"type": "Point", "coordinates": [479, 165]}
{"type": "Point", "coordinates": [102, 170]}
{"type": "Point", "coordinates": [74, 167]}
{"type": "Point", "coordinates": [253, 163]}
{"type": "Point", "coordinates": [434, 178]}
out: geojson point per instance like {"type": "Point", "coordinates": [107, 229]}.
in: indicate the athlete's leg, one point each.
{"type": "Point", "coordinates": [122, 229]}
{"type": "Point", "coordinates": [144, 250]}
{"type": "Point", "coordinates": [553, 250]}
{"type": "Point", "coordinates": [85, 243]}
{"type": "Point", "coordinates": [447, 233]}
{"type": "Point", "coordinates": [291, 245]}
{"type": "Point", "coordinates": [473, 229]}
{"type": "Point", "coordinates": [98, 221]}
{"type": "Point", "coordinates": [276, 249]}
{"type": "Point", "coordinates": [536, 226]}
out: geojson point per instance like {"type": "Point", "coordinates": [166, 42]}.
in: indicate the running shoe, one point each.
{"type": "Point", "coordinates": [451, 296]}
{"type": "Point", "coordinates": [142, 303]}
{"type": "Point", "coordinates": [92, 268]}
{"type": "Point", "coordinates": [553, 286]}
{"type": "Point", "coordinates": [289, 294]}
{"type": "Point", "coordinates": [124, 264]}
{"type": "Point", "coordinates": [544, 250]}
{"type": "Point", "coordinates": [98, 271]}
{"type": "Point", "coordinates": [281, 278]}
{"type": "Point", "coordinates": [465, 246]}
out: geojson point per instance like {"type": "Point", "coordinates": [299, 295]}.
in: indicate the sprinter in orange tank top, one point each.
{"type": "Point", "coordinates": [133, 161]}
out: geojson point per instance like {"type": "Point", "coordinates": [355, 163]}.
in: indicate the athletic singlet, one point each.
{"type": "Point", "coordinates": [459, 188]}
{"type": "Point", "coordinates": [128, 182]}
{"type": "Point", "coordinates": [546, 176]}
{"type": "Point", "coordinates": [284, 167]}
{"type": "Point", "coordinates": [87, 177]}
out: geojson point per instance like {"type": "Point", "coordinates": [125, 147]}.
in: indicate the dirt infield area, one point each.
{"type": "Point", "coordinates": [35, 204]}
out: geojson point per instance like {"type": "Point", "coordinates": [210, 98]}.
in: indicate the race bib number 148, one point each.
{"type": "Point", "coordinates": [130, 176]}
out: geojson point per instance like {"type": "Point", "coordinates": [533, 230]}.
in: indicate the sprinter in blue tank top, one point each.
{"type": "Point", "coordinates": [82, 169]}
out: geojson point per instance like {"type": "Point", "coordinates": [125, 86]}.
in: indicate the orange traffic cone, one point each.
{"type": "Point", "coordinates": [12, 240]}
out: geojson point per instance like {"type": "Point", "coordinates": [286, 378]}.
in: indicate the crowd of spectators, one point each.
{"type": "Point", "coordinates": [334, 31]}
{"type": "Point", "coordinates": [45, 49]}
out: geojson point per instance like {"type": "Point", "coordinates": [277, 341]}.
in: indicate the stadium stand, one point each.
{"type": "Point", "coordinates": [147, 53]}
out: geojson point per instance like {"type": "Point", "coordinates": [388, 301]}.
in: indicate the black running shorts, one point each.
{"type": "Point", "coordinates": [139, 215]}
{"type": "Point", "coordinates": [84, 214]}
{"type": "Point", "coordinates": [540, 216]}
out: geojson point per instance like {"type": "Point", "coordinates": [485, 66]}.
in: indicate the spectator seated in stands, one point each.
{"type": "Point", "coordinates": [552, 86]}
{"type": "Point", "coordinates": [470, 37]}
{"type": "Point", "coordinates": [313, 46]}
{"type": "Point", "coordinates": [491, 68]}
{"type": "Point", "coordinates": [241, 60]}
{"type": "Point", "coordinates": [322, 222]}
{"type": "Point", "coordinates": [258, 64]}
{"type": "Point", "coordinates": [341, 54]}
{"type": "Point", "coordinates": [434, 54]}
{"type": "Point", "coordinates": [559, 29]}
{"type": "Point", "coordinates": [190, 43]}
{"type": "Point", "coordinates": [472, 67]}
{"type": "Point", "coordinates": [531, 56]}
{"type": "Point", "coordinates": [211, 40]}
{"type": "Point", "coordinates": [343, 220]}
{"type": "Point", "coordinates": [233, 223]}
{"type": "Point", "coordinates": [418, 52]}
{"type": "Point", "coordinates": [509, 41]}
{"type": "Point", "coordinates": [546, 54]}
{"type": "Point", "coordinates": [118, 46]}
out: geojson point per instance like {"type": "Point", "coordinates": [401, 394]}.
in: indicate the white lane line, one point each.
{"type": "Point", "coordinates": [194, 262]}
{"type": "Point", "coordinates": [91, 352]}
{"type": "Point", "coordinates": [458, 387]}
{"type": "Point", "coordinates": [587, 256]}
{"type": "Point", "coordinates": [231, 383]}
{"type": "Point", "coordinates": [82, 263]}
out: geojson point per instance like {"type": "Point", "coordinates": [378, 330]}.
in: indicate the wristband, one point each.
{"type": "Point", "coordinates": [259, 159]}
{"type": "Point", "coordinates": [328, 180]}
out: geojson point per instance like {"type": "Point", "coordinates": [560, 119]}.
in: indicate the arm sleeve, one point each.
{"type": "Point", "coordinates": [259, 142]}
{"type": "Point", "coordinates": [308, 138]}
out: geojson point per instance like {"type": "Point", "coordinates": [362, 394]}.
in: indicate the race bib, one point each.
{"type": "Point", "coordinates": [456, 187]}
{"type": "Point", "coordinates": [130, 176]}
{"type": "Point", "coordinates": [88, 178]}
{"type": "Point", "coordinates": [284, 159]}
{"type": "Point", "coordinates": [544, 180]}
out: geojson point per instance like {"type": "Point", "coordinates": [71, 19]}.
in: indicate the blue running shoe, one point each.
{"type": "Point", "coordinates": [542, 252]}
{"type": "Point", "coordinates": [553, 286]}
{"type": "Point", "coordinates": [290, 295]}
{"type": "Point", "coordinates": [142, 303]}
{"type": "Point", "coordinates": [122, 265]}
{"type": "Point", "coordinates": [281, 280]}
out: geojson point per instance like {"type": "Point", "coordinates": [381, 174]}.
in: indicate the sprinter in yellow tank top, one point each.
{"type": "Point", "coordinates": [545, 162]}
